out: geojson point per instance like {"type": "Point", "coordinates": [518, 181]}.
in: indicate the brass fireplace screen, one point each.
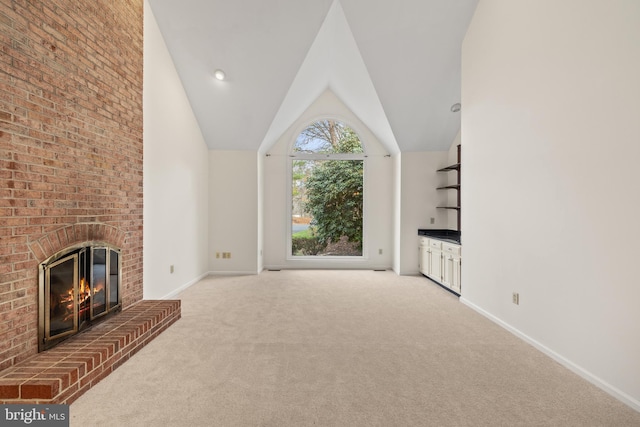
{"type": "Point", "coordinates": [77, 288]}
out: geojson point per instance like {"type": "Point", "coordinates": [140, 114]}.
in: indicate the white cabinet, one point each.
{"type": "Point", "coordinates": [423, 256]}
{"type": "Point", "coordinates": [451, 266]}
{"type": "Point", "coordinates": [440, 261]}
{"type": "Point", "coordinates": [430, 258]}
{"type": "Point", "coordinates": [435, 258]}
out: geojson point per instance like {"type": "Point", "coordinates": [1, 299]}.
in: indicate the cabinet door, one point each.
{"type": "Point", "coordinates": [435, 270]}
{"type": "Point", "coordinates": [447, 270]}
{"type": "Point", "coordinates": [455, 280]}
{"type": "Point", "coordinates": [426, 261]}
{"type": "Point", "coordinates": [423, 259]}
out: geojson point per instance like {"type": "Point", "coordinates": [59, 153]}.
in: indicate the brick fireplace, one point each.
{"type": "Point", "coordinates": [70, 148]}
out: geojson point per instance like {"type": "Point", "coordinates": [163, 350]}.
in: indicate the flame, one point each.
{"type": "Point", "coordinates": [83, 288]}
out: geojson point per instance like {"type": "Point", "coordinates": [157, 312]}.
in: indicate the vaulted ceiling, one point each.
{"type": "Point", "coordinates": [394, 63]}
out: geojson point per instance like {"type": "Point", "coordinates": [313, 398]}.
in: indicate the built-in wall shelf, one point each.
{"type": "Point", "coordinates": [453, 168]}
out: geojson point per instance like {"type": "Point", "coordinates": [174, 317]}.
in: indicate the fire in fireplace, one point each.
{"type": "Point", "coordinates": [78, 287]}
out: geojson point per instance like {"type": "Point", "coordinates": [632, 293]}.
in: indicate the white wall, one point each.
{"type": "Point", "coordinates": [175, 175]}
{"type": "Point", "coordinates": [397, 212]}
{"type": "Point", "coordinates": [550, 135]}
{"type": "Point", "coordinates": [378, 194]}
{"type": "Point", "coordinates": [418, 201]}
{"type": "Point", "coordinates": [260, 232]}
{"type": "Point", "coordinates": [233, 211]}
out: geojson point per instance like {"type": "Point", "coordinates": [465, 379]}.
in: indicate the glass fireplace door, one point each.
{"type": "Point", "coordinates": [61, 283]}
{"type": "Point", "coordinates": [98, 282]}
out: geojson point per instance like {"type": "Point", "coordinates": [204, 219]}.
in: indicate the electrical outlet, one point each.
{"type": "Point", "coordinates": [217, 254]}
{"type": "Point", "coordinates": [379, 251]}
{"type": "Point", "coordinates": [433, 220]}
{"type": "Point", "coordinates": [515, 298]}
{"type": "Point", "coordinates": [171, 269]}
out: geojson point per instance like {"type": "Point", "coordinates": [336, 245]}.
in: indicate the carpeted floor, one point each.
{"type": "Point", "coordinates": [339, 348]}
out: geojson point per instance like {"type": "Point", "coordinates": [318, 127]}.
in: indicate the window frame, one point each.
{"type": "Point", "coordinates": [299, 155]}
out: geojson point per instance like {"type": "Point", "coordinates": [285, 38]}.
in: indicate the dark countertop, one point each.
{"type": "Point", "coordinates": [452, 236]}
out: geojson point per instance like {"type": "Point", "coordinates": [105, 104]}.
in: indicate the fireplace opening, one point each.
{"type": "Point", "coordinates": [78, 287]}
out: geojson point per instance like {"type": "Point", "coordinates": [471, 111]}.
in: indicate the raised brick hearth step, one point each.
{"type": "Point", "coordinates": [65, 372]}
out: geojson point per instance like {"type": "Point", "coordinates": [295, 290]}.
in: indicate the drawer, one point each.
{"type": "Point", "coordinates": [435, 244]}
{"type": "Point", "coordinates": [451, 249]}
{"type": "Point", "coordinates": [423, 241]}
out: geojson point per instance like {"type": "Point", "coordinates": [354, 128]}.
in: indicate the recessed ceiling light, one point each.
{"type": "Point", "coordinates": [456, 107]}
{"type": "Point", "coordinates": [219, 74]}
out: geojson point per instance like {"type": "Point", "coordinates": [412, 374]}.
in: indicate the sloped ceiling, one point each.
{"type": "Point", "coordinates": [394, 63]}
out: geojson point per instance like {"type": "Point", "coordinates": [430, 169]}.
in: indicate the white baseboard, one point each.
{"type": "Point", "coordinates": [317, 266]}
{"type": "Point", "coordinates": [598, 382]}
{"type": "Point", "coordinates": [232, 273]}
{"type": "Point", "coordinates": [175, 292]}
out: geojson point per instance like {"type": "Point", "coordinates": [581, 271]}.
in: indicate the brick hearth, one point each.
{"type": "Point", "coordinates": [64, 373]}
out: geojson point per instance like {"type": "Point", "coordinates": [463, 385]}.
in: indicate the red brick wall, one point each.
{"type": "Point", "coordinates": [70, 146]}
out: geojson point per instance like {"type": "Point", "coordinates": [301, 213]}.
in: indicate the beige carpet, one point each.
{"type": "Point", "coordinates": [339, 348]}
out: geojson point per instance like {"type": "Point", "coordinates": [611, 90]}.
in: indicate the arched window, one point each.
{"type": "Point", "coordinates": [327, 137]}
{"type": "Point", "coordinates": [327, 175]}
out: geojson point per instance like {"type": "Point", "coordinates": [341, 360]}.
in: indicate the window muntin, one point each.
{"type": "Point", "coordinates": [327, 175]}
